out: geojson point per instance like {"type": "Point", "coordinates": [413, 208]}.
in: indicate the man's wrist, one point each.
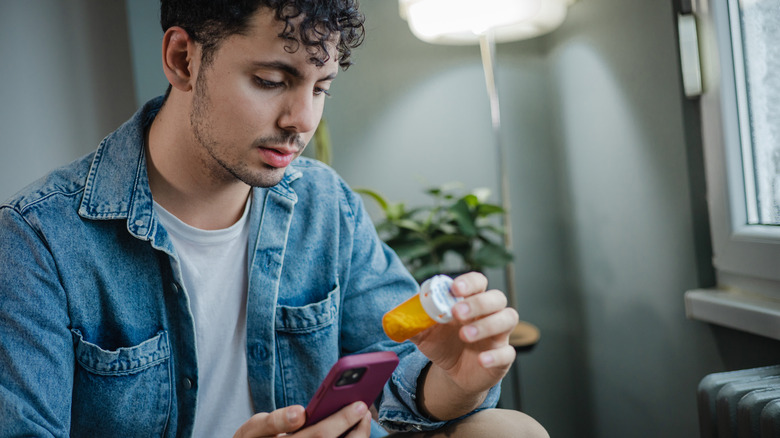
{"type": "Point", "coordinates": [421, 393]}
{"type": "Point", "coordinates": [439, 398]}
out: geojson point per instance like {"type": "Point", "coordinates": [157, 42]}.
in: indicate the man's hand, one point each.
{"type": "Point", "coordinates": [287, 422]}
{"type": "Point", "coordinates": [471, 353]}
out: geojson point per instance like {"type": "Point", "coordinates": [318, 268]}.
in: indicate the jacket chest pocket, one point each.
{"type": "Point", "coordinates": [123, 392]}
{"type": "Point", "coordinates": [308, 344]}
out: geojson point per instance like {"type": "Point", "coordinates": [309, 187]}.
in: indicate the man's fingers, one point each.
{"type": "Point", "coordinates": [290, 419]}
{"type": "Point", "coordinates": [469, 284]}
{"type": "Point", "coordinates": [502, 357]}
{"type": "Point", "coordinates": [343, 420]}
{"type": "Point", "coordinates": [362, 429]}
{"type": "Point", "coordinates": [480, 305]}
{"type": "Point", "coordinates": [499, 323]}
{"type": "Point", "coordinates": [284, 420]}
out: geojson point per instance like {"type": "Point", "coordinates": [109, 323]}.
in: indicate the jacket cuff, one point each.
{"type": "Point", "coordinates": [398, 410]}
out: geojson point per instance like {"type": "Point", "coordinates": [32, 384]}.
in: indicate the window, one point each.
{"type": "Point", "coordinates": [740, 59]}
{"type": "Point", "coordinates": [755, 31]}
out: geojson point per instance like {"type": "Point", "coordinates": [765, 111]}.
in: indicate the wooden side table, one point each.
{"type": "Point", "coordinates": [523, 338]}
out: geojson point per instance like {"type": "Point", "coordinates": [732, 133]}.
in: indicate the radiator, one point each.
{"type": "Point", "coordinates": [740, 404]}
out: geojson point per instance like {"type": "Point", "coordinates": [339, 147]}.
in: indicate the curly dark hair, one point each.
{"type": "Point", "coordinates": [209, 22]}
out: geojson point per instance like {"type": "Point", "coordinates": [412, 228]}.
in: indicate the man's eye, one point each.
{"type": "Point", "coordinates": [267, 84]}
{"type": "Point", "coordinates": [318, 91]}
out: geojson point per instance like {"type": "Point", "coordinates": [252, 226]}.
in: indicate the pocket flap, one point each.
{"type": "Point", "coordinates": [309, 317]}
{"type": "Point", "coordinates": [125, 360]}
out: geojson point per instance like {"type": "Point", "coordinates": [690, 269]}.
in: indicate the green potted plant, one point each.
{"type": "Point", "coordinates": [455, 233]}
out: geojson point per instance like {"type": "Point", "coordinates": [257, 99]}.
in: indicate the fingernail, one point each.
{"type": "Point", "coordinates": [360, 408]}
{"type": "Point", "coordinates": [461, 286]}
{"type": "Point", "coordinates": [471, 332]}
{"type": "Point", "coordinates": [292, 415]}
{"type": "Point", "coordinates": [463, 309]}
{"type": "Point", "coordinates": [486, 359]}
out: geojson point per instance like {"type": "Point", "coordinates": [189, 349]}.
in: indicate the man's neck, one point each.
{"type": "Point", "coordinates": [181, 183]}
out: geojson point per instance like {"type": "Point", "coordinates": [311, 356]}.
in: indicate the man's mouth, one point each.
{"type": "Point", "coordinates": [277, 157]}
{"type": "Point", "coordinates": [279, 151]}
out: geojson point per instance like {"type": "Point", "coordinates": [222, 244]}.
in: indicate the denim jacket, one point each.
{"type": "Point", "coordinates": [96, 334]}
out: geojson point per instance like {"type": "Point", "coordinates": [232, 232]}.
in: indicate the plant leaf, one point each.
{"type": "Point", "coordinates": [375, 196]}
{"type": "Point", "coordinates": [488, 209]}
{"type": "Point", "coordinates": [450, 240]}
{"type": "Point", "coordinates": [498, 230]}
{"type": "Point", "coordinates": [425, 272]}
{"type": "Point", "coordinates": [463, 217]}
{"type": "Point", "coordinates": [410, 225]}
{"type": "Point", "coordinates": [322, 143]}
{"type": "Point", "coordinates": [471, 200]}
{"type": "Point", "coordinates": [492, 255]}
{"type": "Point", "coordinates": [396, 211]}
{"type": "Point", "coordinates": [410, 250]}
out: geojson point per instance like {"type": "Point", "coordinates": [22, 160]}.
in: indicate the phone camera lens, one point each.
{"type": "Point", "coordinates": [350, 377]}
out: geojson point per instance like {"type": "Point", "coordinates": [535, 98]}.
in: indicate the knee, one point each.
{"type": "Point", "coordinates": [507, 423]}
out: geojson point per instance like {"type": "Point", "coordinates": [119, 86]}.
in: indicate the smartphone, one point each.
{"type": "Point", "coordinates": [352, 378]}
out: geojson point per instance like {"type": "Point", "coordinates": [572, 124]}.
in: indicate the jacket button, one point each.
{"type": "Point", "coordinates": [187, 383]}
{"type": "Point", "coordinates": [174, 287]}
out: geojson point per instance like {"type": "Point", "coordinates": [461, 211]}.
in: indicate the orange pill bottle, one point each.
{"type": "Point", "coordinates": [432, 305]}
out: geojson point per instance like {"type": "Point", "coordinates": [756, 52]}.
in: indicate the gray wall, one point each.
{"type": "Point", "coordinates": [145, 43]}
{"type": "Point", "coordinates": [593, 117]}
{"type": "Point", "coordinates": [622, 141]}
{"type": "Point", "coordinates": [65, 82]}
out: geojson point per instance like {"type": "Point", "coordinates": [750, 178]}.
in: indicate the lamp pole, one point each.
{"type": "Point", "coordinates": [487, 46]}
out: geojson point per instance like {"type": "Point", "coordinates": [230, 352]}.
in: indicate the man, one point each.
{"type": "Point", "coordinates": [193, 276]}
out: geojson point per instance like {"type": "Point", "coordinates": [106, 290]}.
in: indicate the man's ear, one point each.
{"type": "Point", "coordinates": [178, 53]}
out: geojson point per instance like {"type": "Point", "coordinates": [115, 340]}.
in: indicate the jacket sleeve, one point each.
{"type": "Point", "coordinates": [378, 281]}
{"type": "Point", "coordinates": [36, 346]}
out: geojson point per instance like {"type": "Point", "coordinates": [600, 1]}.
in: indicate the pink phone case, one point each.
{"type": "Point", "coordinates": [352, 378]}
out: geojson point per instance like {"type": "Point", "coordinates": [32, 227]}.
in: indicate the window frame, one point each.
{"type": "Point", "coordinates": [739, 249]}
{"type": "Point", "coordinates": [746, 257]}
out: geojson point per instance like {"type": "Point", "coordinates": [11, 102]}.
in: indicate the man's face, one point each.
{"type": "Point", "coordinates": [256, 106]}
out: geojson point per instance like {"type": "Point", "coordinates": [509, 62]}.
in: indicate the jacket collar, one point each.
{"type": "Point", "coordinates": [117, 185]}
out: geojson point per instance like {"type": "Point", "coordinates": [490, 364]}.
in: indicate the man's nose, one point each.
{"type": "Point", "coordinates": [301, 113]}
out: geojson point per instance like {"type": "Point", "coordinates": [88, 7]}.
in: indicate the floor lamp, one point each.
{"type": "Point", "coordinates": [486, 22]}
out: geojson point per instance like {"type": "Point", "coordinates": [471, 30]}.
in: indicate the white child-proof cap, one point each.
{"type": "Point", "coordinates": [436, 298]}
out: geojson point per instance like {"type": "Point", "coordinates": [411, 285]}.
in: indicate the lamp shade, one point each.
{"type": "Point", "coordinates": [461, 22]}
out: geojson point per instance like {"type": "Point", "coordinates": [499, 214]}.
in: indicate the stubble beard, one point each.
{"type": "Point", "coordinates": [216, 163]}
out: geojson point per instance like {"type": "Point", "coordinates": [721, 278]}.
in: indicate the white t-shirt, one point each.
{"type": "Point", "coordinates": [214, 271]}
